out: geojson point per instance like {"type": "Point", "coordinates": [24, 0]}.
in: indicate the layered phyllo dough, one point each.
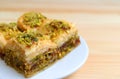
{"type": "Point", "coordinates": [39, 43]}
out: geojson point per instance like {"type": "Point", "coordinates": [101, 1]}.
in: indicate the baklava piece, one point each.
{"type": "Point", "coordinates": [35, 49]}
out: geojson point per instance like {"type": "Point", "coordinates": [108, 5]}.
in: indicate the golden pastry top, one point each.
{"type": "Point", "coordinates": [30, 20]}
{"type": "Point", "coordinates": [38, 34]}
{"type": "Point", "coordinates": [9, 30]}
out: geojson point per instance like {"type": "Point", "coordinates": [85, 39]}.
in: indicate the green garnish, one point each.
{"type": "Point", "coordinates": [56, 24]}
{"type": "Point", "coordinates": [9, 30]}
{"type": "Point", "coordinates": [27, 38]}
{"type": "Point", "coordinates": [57, 27]}
{"type": "Point", "coordinates": [6, 27]}
{"type": "Point", "coordinates": [33, 19]}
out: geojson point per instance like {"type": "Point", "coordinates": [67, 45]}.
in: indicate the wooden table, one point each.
{"type": "Point", "coordinates": [100, 27]}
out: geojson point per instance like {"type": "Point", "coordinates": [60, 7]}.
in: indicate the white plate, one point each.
{"type": "Point", "coordinates": [60, 69]}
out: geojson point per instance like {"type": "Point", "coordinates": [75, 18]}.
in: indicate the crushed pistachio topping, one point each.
{"type": "Point", "coordinates": [28, 38]}
{"type": "Point", "coordinates": [59, 25]}
{"type": "Point", "coordinates": [6, 27]}
{"type": "Point", "coordinates": [33, 19]}
{"type": "Point", "coordinates": [9, 30]}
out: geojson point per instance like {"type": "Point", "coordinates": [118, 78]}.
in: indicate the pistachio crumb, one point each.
{"type": "Point", "coordinates": [27, 38]}
{"type": "Point", "coordinates": [33, 19]}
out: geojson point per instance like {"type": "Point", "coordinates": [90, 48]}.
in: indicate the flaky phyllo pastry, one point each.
{"type": "Point", "coordinates": [35, 42]}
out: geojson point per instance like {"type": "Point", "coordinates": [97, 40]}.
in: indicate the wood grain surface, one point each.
{"type": "Point", "coordinates": [100, 27]}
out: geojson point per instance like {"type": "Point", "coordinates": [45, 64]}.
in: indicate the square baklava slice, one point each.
{"type": "Point", "coordinates": [34, 50]}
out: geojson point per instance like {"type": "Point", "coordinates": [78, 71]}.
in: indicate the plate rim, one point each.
{"type": "Point", "coordinates": [83, 62]}
{"type": "Point", "coordinates": [75, 68]}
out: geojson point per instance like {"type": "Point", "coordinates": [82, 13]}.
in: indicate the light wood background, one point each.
{"type": "Point", "coordinates": [98, 23]}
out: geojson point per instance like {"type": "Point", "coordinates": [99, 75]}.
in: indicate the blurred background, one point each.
{"type": "Point", "coordinates": [98, 22]}
{"type": "Point", "coordinates": [62, 5]}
